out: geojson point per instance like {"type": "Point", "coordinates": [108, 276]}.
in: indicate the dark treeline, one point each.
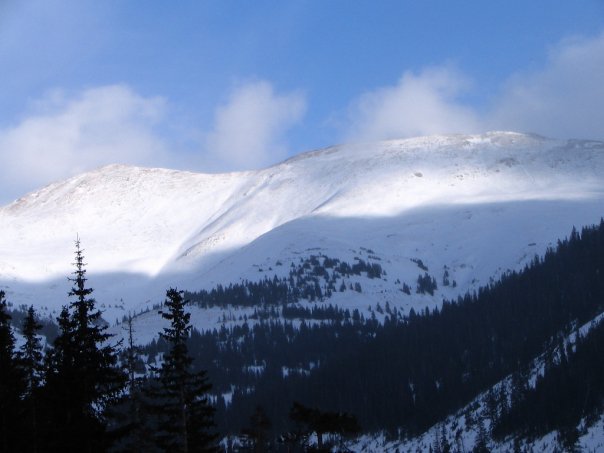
{"type": "Point", "coordinates": [329, 312]}
{"type": "Point", "coordinates": [415, 373]}
{"type": "Point", "coordinates": [408, 373]}
{"type": "Point", "coordinates": [313, 279]}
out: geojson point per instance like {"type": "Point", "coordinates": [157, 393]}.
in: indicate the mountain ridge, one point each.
{"type": "Point", "coordinates": [185, 227]}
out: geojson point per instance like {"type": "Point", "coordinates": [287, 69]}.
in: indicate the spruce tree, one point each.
{"type": "Point", "coordinates": [185, 415]}
{"type": "Point", "coordinates": [130, 421]}
{"type": "Point", "coordinates": [11, 383]}
{"type": "Point", "coordinates": [134, 402]}
{"type": "Point", "coordinates": [30, 361]}
{"type": "Point", "coordinates": [30, 355]}
{"type": "Point", "coordinates": [312, 420]}
{"type": "Point", "coordinates": [256, 437]}
{"type": "Point", "coordinates": [83, 378]}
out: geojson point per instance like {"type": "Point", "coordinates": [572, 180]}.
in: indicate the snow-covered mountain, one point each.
{"type": "Point", "coordinates": [475, 205]}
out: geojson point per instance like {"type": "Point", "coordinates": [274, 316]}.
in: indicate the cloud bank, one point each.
{"type": "Point", "coordinates": [562, 100]}
{"type": "Point", "coordinates": [66, 135]}
{"type": "Point", "coordinates": [421, 104]}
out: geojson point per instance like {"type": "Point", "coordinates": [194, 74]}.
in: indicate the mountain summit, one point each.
{"type": "Point", "coordinates": [473, 204]}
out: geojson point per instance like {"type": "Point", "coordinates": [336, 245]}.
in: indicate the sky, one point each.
{"type": "Point", "coordinates": [224, 85]}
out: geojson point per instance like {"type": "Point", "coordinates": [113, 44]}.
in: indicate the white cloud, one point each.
{"type": "Point", "coordinates": [564, 99]}
{"type": "Point", "coordinates": [419, 104]}
{"type": "Point", "coordinates": [249, 130]}
{"type": "Point", "coordinates": [65, 136]}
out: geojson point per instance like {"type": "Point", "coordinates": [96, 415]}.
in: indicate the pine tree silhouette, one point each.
{"type": "Point", "coordinates": [30, 361]}
{"type": "Point", "coordinates": [82, 378]}
{"type": "Point", "coordinates": [11, 382]}
{"type": "Point", "coordinates": [185, 415]}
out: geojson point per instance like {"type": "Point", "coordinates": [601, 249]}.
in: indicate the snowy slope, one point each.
{"type": "Point", "coordinates": [476, 204]}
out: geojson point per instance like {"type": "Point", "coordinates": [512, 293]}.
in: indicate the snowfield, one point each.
{"type": "Point", "coordinates": [477, 204]}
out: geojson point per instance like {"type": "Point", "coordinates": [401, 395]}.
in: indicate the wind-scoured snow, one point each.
{"type": "Point", "coordinates": [478, 204]}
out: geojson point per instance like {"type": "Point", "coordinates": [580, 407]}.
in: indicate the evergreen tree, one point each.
{"type": "Point", "coordinates": [30, 361]}
{"type": "Point", "coordinates": [257, 435]}
{"type": "Point", "coordinates": [11, 384]}
{"type": "Point", "coordinates": [482, 439]}
{"type": "Point", "coordinates": [181, 396]}
{"type": "Point", "coordinates": [30, 355]}
{"type": "Point", "coordinates": [313, 420]}
{"type": "Point", "coordinates": [83, 378]}
{"type": "Point", "coordinates": [444, 445]}
{"type": "Point", "coordinates": [130, 421]}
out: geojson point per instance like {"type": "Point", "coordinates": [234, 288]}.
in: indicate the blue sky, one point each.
{"type": "Point", "coordinates": [233, 85]}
